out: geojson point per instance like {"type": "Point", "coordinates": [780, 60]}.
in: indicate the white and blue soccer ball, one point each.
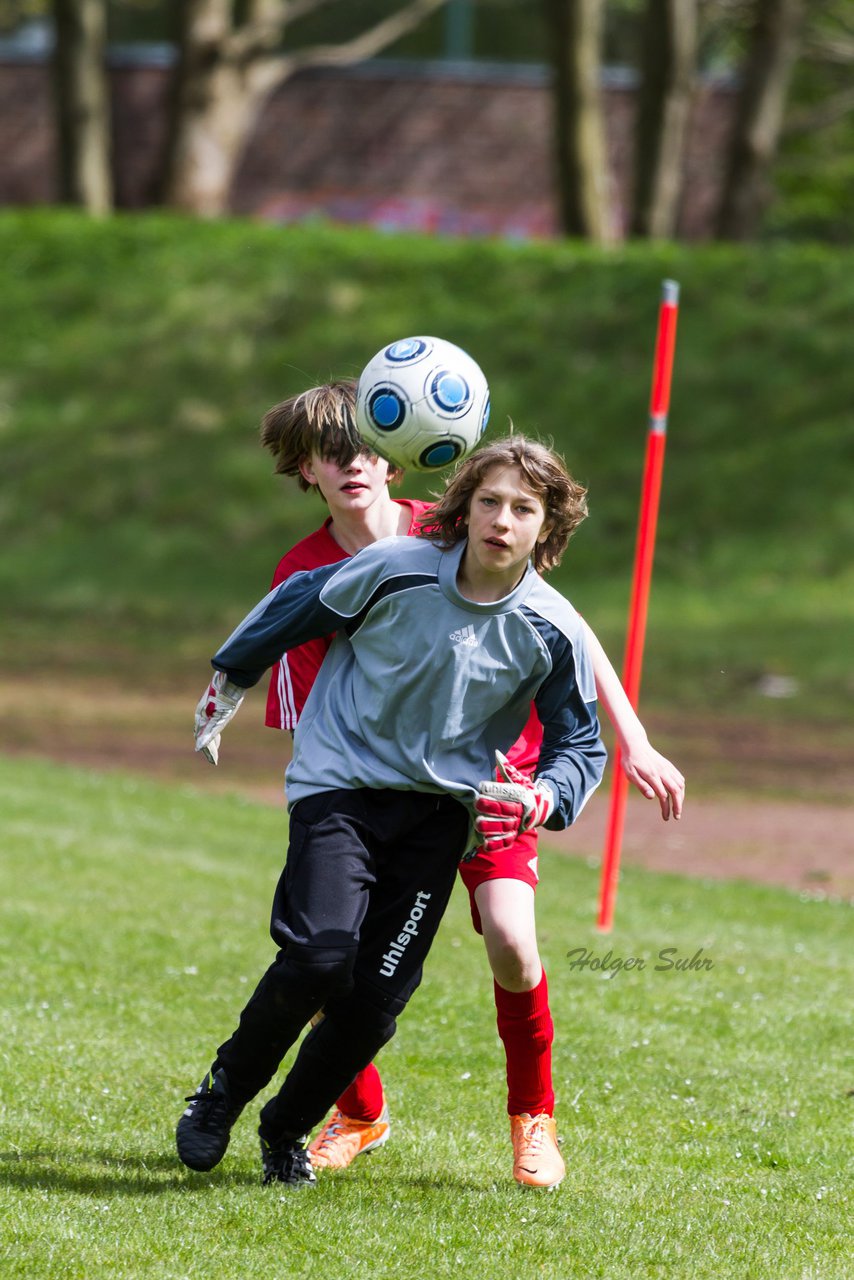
{"type": "Point", "coordinates": [422, 403]}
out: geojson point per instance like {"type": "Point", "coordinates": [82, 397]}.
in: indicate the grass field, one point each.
{"type": "Point", "coordinates": [705, 1111]}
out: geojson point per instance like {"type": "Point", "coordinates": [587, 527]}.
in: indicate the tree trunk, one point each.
{"type": "Point", "coordinates": [81, 95]}
{"type": "Point", "coordinates": [225, 71]}
{"type": "Point", "coordinates": [209, 113]}
{"type": "Point", "coordinates": [766, 75]}
{"type": "Point", "coordinates": [579, 134]}
{"type": "Point", "coordinates": [667, 81]}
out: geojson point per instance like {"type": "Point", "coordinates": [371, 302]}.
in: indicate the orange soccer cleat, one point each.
{"type": "Point", "coordinates": [342, 1139]}
{"type": "Point", "coordinates": [536, 1159]}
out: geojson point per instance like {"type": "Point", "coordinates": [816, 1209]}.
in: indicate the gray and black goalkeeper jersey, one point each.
{"type": "Point", "coordinates": [421, 685]}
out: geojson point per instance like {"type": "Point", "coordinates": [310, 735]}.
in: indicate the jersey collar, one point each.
{"type": "Point", "coordinates": [449, 564]}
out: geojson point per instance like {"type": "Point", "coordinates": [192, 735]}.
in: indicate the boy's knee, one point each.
{"type": "Point", "coordinates": [326, 971]}
{"type": "Point", "coordinates": [515, 973]}
{"type": "Point", "coordinates": [505, 938]}
{"type": "Point", "coordinates": [513, 958]}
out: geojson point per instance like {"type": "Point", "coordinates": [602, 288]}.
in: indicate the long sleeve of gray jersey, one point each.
{"type": "Point", "coordinates": [288, 615]}
{"type": "Point", "coordinates": [572, 755]}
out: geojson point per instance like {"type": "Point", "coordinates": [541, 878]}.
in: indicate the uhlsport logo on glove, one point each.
{"type": "Point", "coordinates": [512, 805]}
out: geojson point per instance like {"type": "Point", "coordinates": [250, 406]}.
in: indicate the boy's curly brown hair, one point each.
{"type": "Point", "coordinates": [544, 472]}
{"type": "Point", "coordinates": [321, 420]}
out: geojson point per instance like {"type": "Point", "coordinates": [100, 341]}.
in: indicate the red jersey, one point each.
{"type": "Point", "coordinates": [294, 674]}
{"type": "Point", "coordinates": [525, 752]}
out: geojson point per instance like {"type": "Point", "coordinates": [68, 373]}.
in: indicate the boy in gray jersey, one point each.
{"type": "Point", "coordinates": [442, 644]}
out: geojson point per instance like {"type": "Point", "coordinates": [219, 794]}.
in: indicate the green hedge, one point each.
{"type": "Point", "coordinates": [138, 355]}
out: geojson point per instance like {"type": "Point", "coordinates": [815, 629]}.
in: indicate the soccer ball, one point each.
{"type": "Point", "coordinates": [422, 403]}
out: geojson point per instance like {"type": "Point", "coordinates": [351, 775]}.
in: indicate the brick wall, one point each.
{"type": "Point", "coordinates": [27, 152]}
{"type": "Point", "coordinates": [464, 149]}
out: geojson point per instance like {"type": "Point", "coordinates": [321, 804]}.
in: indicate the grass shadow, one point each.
{"type": "Point", "coordinates": [102, 1173]}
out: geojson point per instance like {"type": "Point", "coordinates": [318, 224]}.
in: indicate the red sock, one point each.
{"type": "Point", "coordinates": [363, 1099]}
{"type": "Point", "coordinates": [526, 1028]}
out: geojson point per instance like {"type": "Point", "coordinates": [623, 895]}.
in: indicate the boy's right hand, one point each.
{"type": "Point", "coordinates": [514, 804]}
{"type": "Point", "coordinates": [217, 705]}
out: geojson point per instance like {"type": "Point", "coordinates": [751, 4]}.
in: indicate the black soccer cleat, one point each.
{"type": "Point", "coordinates": [205, 1127]}
{"type": "Point", "coordinates": [286, 1161]}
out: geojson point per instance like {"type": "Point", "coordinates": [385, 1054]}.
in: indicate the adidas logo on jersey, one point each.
{"type": "Point", "coordinates": [465, 635]}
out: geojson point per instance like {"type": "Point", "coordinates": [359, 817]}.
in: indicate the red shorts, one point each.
{"type": "Point", "coordinates": [519, 862]}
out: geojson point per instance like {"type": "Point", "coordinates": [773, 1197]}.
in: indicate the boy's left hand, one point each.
{"type": "Point", "coordinates": [655, 777]}
{"type": "Point", "coordinates": [512, 805]}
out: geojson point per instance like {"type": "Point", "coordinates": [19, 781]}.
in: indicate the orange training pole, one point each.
{"type": "Point", "coordinates": [644, 550]}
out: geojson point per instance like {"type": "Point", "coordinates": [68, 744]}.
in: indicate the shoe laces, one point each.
{"type": "Point", "coordinates": [283, 1163]}
{"type": "Point", "coordinates": [331, 1131]}
{"type": "Point", "coordinates": [535, 1133]}
{"type": "Point", "coordinates": [210, 1110]}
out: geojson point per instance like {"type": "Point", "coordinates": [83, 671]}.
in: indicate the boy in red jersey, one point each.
{"type": "Point", "coordinates": [313, 437]}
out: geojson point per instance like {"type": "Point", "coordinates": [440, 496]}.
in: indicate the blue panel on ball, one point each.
{"type": "Point", "coordinates": [484, 422]}
{"type": "Point", "coordinates": [386, 409]}
{"type": "Point", "coordinates": [439, 455]}
{"type": "Point", "coordinates": [450, 391]}
{"type": "Point", "coordinates": [406, 349]}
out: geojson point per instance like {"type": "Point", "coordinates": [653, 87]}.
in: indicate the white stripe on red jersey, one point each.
{"type": "Point", "coordinates": [285, 690]}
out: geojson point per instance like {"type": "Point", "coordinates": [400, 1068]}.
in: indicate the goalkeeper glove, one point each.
{"type": "Point", "coordinates": [512, 805]}
{"type": "Point", "coordinates": [216, 707]}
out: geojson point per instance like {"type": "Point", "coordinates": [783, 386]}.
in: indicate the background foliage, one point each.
{"type": "Point", "coordinates": [813, 172]}
{"type": "Point", "coordinates": [139, 515]}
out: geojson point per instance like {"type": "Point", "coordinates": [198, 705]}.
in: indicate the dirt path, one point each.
{"type": "Point", "coordinates": [737, 826]}
{"type": "Point", "coordinates": [805, 847]}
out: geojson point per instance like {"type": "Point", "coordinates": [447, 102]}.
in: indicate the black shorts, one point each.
{"type": "Point", "coordinates": [368, 875]}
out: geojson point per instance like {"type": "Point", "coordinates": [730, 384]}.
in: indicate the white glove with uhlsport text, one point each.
{"type": "Point", "coordinates": [216, 707]}
{"type": "Point", "coordinates": [505, 808]}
